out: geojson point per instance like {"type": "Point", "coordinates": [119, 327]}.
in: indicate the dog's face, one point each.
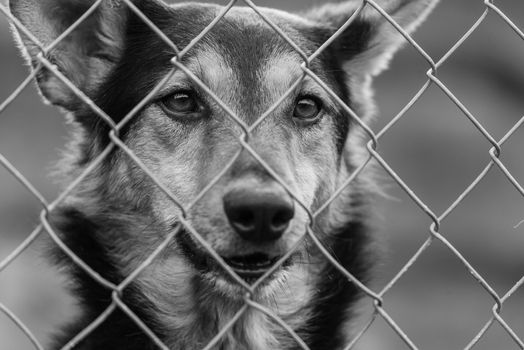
{"type": "Point", "coordinates": [187, 138]}
{"type": "Point", "coordinates": [242, 85]}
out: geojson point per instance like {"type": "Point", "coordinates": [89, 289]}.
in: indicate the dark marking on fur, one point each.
{"type": "Point", "coordinates": [347, 245]}
{"type": "Point", "coordinates": [95, 298]}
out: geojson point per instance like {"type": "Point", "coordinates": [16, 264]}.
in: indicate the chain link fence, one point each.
{"type": "Point", "coordinates": [380, 306]}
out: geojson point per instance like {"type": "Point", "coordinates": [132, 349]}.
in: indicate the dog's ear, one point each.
{"type": "Point", "coordinates": [368, 43]}
{"type": "Point", "coordinates": [85, 56]}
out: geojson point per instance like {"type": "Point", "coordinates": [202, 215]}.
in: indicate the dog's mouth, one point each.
{"type": "Point", "coordinates": [249, 267]}
{"type": "Point", "coordinates": [253, 266]}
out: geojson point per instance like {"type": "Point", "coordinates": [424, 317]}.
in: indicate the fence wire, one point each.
{"type": "Point", "coordinates": [434, 234]}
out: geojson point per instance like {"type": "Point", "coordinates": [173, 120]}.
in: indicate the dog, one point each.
{"type": "Point", "coordinates": [251, 205]}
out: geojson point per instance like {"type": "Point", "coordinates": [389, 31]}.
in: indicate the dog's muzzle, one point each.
{"type": "Point", "coordinates": [259, 213]}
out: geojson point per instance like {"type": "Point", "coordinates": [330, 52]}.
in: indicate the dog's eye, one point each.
{"type": "Point", "coordinates": [180, 103]}
{"type": "Point", "coordinates": [307, 109]}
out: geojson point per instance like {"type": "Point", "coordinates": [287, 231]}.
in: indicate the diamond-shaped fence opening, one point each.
{"type": "Point", "coordinates": [434, 234]}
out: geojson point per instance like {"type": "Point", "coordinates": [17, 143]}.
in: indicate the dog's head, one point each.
{"type": "Point", "coordinates": [240, 115]}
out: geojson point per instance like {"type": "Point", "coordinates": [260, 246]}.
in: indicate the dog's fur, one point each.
{"type": "Point", "coordinates": [117, 216]}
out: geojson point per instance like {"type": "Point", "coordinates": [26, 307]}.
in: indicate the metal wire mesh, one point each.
{"type": "Point", "coordinates": [380, 311]}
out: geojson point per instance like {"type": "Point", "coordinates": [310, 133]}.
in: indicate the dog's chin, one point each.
{"type": "Point", "coordinates": [250, 268]}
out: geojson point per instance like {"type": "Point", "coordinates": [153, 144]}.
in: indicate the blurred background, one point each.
{"type": "Point", "coordinates": [433, 148]}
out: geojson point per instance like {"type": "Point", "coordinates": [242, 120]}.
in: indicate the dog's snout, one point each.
{"type": "Point", "coordinates": [259, 214]}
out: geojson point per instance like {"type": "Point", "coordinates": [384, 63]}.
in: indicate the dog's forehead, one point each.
{"type": "Point", "coordinates": [247, 84]}
{"type": "Point", "coordinates": [194, 14]}
{"type": "Point", "coordinates": [244, 60]}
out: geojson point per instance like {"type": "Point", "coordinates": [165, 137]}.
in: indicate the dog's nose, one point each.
{"type": "Point", "coordinates": [259, 214]}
